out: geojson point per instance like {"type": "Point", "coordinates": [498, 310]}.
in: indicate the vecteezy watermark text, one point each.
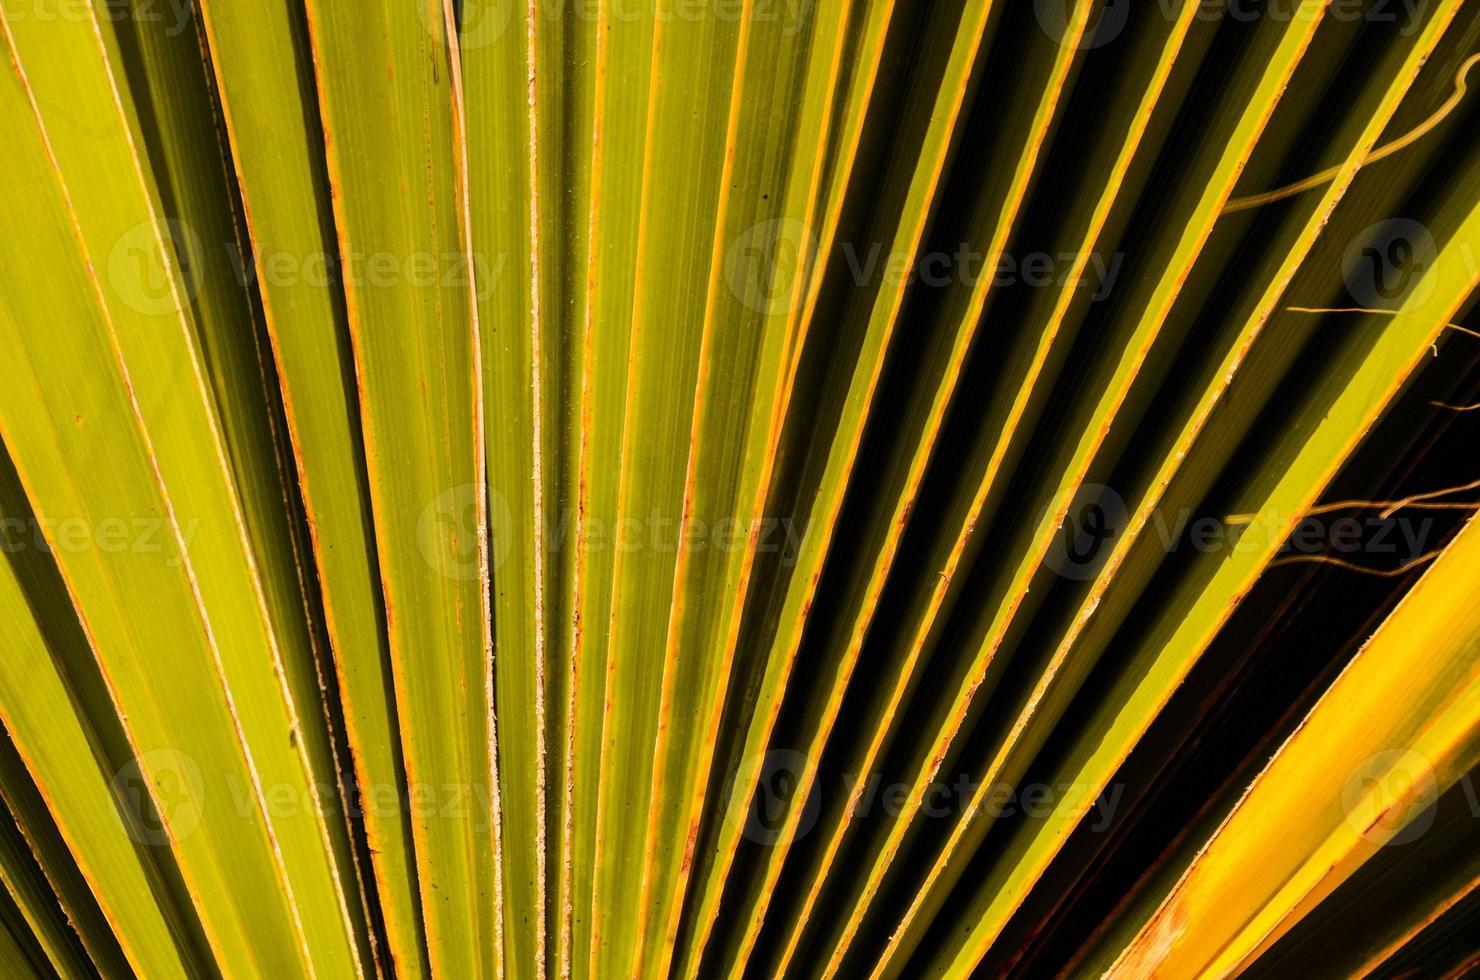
{"type": "Point", "coordinates": [1109, 21]}
{"type": "Point", "coordinates": [447, 533]}
{"type": "Point", "coordinates": [1097, 518]}
{"type": "Point", "coordinates": [968, 265]}
{"type": "Point", "coordinates": [174, 15]}
{"type": "Point", "coordinates": [778, 812]}
{"type": "Point", "coordinates": [110, 535]}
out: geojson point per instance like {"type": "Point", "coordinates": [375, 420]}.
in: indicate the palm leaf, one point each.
{"type": "Point", "coordinates": [741, 488]}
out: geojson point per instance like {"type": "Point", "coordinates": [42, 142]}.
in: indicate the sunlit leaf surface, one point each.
{"type": "Point", "coordinates": [739, 488]}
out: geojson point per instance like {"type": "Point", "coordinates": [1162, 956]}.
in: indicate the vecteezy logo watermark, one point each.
{"type": "Point", "coordinates": [1385, 265]}
{"type": "Point", "coordinates": [142, 267]}
{"type": "Point", "coordinates": [782, 774]}
{"type": "Point", "coordinates": [939, 799]}
{"type": "Point", "coordinates": [175, 15]}
{"type": "Point", "coordinates": [479, 23]}
{"type": "Point", "coordinates": [1389, 798]}
{"type": "Point", "coordinates": [159, 796]}
{"type": "Point", "coordinates": [968, 265]}
{"type": "Point", "coordinates": [1106, 23]}
{"type": "Point", "coordinates": [1289, 11]}
{"type": "Point", "coordinates": [109, 536]}
{"type": "Point", "coordinates": [155, 269]}
{"type": "Point", "coordinates": [1095, 518]}
{"type": "Point", "coordinates": [380, 270]}
{"type": "Point", "coordinates": [447, 532]}
{"type": "Point", "coordinates": [483, 22]}
{"type": "Point", "coordinates": [665, 533]}
{"type": "Point", "coordinates": [765, 266]}
{"type": "Point", "coordinates": [467, 802]}
{"type": "Point", "coordinates": [1402, 538]}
